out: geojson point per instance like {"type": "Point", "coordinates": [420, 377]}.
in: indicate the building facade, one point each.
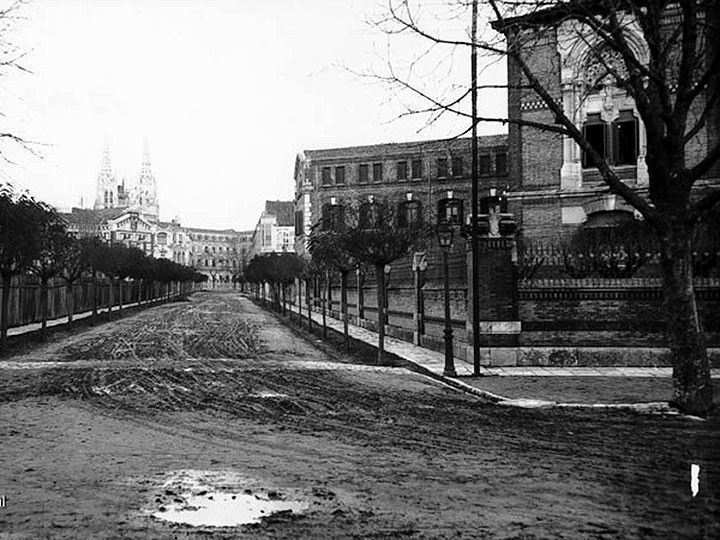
{"type": "Point", "coordinates": [559, 190]}
{"type": "Point", "coordinates": [274, 232]}
{"type": "Point", "coordinates": [131, 216]}
{"type": "Point", "coordinates": [429, 178]}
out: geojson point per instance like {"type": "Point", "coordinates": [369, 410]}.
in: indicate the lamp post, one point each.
{"type": "Point", "coordinates": [445, 238]}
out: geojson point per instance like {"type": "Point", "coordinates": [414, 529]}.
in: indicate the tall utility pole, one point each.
{"type": "Point", "coordinates": [475, 283]}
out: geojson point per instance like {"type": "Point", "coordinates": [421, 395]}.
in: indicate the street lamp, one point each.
{"type": "Point", "coordinates": [445, 238]}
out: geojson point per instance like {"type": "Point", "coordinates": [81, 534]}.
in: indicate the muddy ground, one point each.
{"type": "Point", "coordinates": [94, 427]}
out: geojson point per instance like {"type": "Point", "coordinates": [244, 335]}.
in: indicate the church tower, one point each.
{"type": "Point", "coordinates": [106, 187]}
{"type": "Point", "coordinates": [145, 196]}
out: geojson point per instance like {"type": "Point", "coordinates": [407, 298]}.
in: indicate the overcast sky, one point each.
{"type": "Point", "coordinates": [227, 92]}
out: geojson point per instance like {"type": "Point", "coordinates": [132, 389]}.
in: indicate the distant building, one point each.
{"type": "Point", "coordinates": [131, 217]}
{"type": "Point", "coordinates": [426, 178]}
{"type": "Point", "coordinates": [275, 230]}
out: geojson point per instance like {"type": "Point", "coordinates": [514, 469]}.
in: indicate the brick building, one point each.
{"type": "Point", "coordinates": [558, 189]}
{"type": "Point", "coordinates": [428, 176]}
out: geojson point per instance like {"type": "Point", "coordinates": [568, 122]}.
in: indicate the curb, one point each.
{"type": "Point", "coordinates": [655, 407]}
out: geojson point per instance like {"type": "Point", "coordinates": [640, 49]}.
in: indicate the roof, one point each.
{"type": "Point", "coordinates": [284, 212]}
{"type": "Point", "coordinates": [555, 13]}
{"type": "Point", "coordinates": [93, 218]}
{"type": "Point", "coordinates": [406, 147]}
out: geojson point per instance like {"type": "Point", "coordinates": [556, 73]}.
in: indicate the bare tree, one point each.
{"type": "Point", "coordinates": [11, 57]}
{"type": "Point", "coordinates": [665, 55]}
{"type": "Point", "coordinates": [375, 234]}
{"type": "Point", "coordinates": [326, 246]}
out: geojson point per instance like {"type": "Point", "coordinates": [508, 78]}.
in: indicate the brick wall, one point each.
{"type": "Point", "coordinates": [605, 312]}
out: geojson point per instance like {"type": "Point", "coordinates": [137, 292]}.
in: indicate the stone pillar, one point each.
{"type": "Point", "coordinates": [497, 290]}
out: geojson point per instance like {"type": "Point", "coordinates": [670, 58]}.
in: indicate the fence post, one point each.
{"type": "Point", "coordinates": [419, 267]}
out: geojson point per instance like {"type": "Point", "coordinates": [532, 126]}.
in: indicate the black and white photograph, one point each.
{"type": "Point", "coordinates": [359, 269]}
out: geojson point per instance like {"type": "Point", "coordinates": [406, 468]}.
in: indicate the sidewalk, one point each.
{"type": "Point", "coordinates": [553, 386]}
{"type": "Point", "coordinates": [33, 327]}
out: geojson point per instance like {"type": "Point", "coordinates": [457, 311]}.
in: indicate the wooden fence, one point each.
{"type": "Point", "coordinates": [25, 301]}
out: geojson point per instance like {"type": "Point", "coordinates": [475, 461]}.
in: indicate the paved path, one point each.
{"type": "Point", "coordinates": [435, 361]}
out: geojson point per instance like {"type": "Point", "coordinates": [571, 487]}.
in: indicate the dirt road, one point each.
{"type": "Point", "coordinates": [101, 432]}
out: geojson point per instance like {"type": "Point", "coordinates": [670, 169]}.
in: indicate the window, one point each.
{"type": "Point", "coordinates": [450, 211]}
{"type": "Point", "coordinates": [625, 135]}
{"type": "Point", "coordinates": [370, 217]}
{"type": "Point", "coordinates": [595, 132]}
{"type": "Point", "coordinates": [162, 239]}
{"type": "Point", "coordinates": [402, 170]}
{"type": "Point", "coordinates": [409, 213]}
{"type": "Point", "coordinates": [485, 164]}
{"type": "Point", "coordinates": [416, 166]}
{"type": "Point", "coordinates": [299, 223]}
{"type": "Point", "coordinates": [501, 163]}
{"type": "Point", "coordinates": [363, 175]}
{"type": "Point", "coordinates": [340, 175]}
{"type": "Point", "coordinates": [457, 166]}
{"type": "Point", "coordinates": [333, 217]}
{"type": "Point", "coordinates": [267, 235]}
{"type": "Point", "coordinates": [377, 172]}
{"type": "Point", "coordinates": [442, 167]}
{"type": "Point", "coordinates": [326, 179]}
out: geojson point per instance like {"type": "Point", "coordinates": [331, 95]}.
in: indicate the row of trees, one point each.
{"type": "Point", "coordinates": [373, 235]}
{"type": "Point", "coordinates": [34, 239]}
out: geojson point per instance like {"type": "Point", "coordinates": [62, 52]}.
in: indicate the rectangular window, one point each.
{"type": "Point", "coordinates": [416, 166]}
{"type": "Point", "coordinates": [485, 164]}
{"type": "Point", "coordinates": [299, 223]}
{"type": "Point", "coordinates": [377, 172]}
{"type": "Point", "coordinates": [501, 163]}
{"type": "Point", "coordinates": [363, 174]}
{"type": "Point", "coordinates": [442, 167]}
{"type": "Point", "coordinates": [625, 139]}
{"type": "Point", "coordinates": [402, 170]}
{"type": "Point", "coordinates": [326, 179]}
{"type": "Point", "coordinates": [340, 175]}
{"type": "Point", "coordinates": [595, 133]}
{"type": "Point", "coordinates": [457, 166]}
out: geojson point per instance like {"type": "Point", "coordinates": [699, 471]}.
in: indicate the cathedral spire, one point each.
{"type": "Point", "coordinates": [106, 185]}
{"type": "Point", "coordinates": [145, 195]}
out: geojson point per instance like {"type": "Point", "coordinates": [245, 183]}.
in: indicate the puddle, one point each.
{"type": "Point", "coordinates": [219, 509]}
{"type": "Point", "coordinates": [220, 499]}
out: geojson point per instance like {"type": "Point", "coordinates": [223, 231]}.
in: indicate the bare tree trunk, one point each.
{"type": "Point", "coordinates": [323, 300]}
{"type": "Point", "coordinates": [120, 295]}
{"type": "Point", "coordinates": [380, 278]}
{"type": "Point", "coordinates": [111, 295]}
{"type": "Point", "coordinates": [5, 310]}
{"type": "Point", "coordinates": [308, 303]}
{"type": "Point", "coordinates": [328, 277]}
{"type": "Point", "coordinates": [344, 307]}
{"type": "Point", "coordinates": [44, 293]}
{"type": "Point", "coordinates": [94, 296]}
{"type": "Point", "coordinates": [693, 392]}
{"type": "Point", "coordinates": [70, 301]}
